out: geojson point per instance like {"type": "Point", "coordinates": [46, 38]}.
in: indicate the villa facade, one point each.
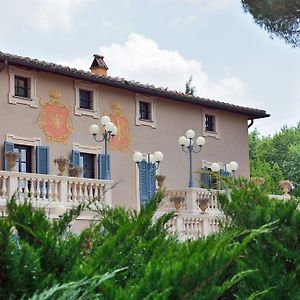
{"type": "Point", "coordinates": [47, 109]}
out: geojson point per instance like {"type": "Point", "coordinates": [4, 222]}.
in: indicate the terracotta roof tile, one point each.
{"type": "Point", "coordinates": [131, 85]}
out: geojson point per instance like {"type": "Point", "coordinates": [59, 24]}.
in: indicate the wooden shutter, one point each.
{"type": "Point", "coordinates": [7, 148]}
{"type": "Point", "coordinates": [152, 179]}
{"type": "Point", "coordinates": [206, 177]}
{"type": "Point", "coordinates": [103, 163]}
{"type": "Point", "coordinates": [42, 159]}
{"type": "Point", "coordinates": [143, 180]}
{"type": "Point", "coordinates": [75, 158]}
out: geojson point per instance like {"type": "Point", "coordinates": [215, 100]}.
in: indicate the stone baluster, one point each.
{"type": "Point", "coordinates": [4, 187]}
{"type": "Point", "coordinates": [50, 190]}
{"type": "Point", "coordinates": [85, 192]}
{"type": "Point", "coordinates": [90, 191]}
{"type": "Point", "coordinates": [74, 197]}
{"type": "Point", "coordinates": [79, 195]}
{"type": "Point", "coordinates": [38, 189]}
{"type": "Point", "coordinates": [70, 191]}
{"type": "Point", "coordinates": [55, 190]}
{"type": "Point", "coordinates": [32, 191]}
{"type": "Point", "coordinates": [26, 190]}
{"type": "Point", "coordinates": [44, 190]}
{"type": "Point", "coordinates": [96, 194]}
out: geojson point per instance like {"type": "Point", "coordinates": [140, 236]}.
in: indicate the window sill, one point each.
{"type": "Point", "coordinates": [87, 112]}
{"type": "Point", "coordinates": [144, 122]}
{"type": "Point", "coordinates": [23, 100]}
{"type": "Point", "coordinates": [212, 134]}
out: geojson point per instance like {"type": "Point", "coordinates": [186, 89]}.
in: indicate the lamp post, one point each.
{"type": "Point", "coordinates": [186, 143]}
{"type": "Point", "coordinates": [151, 164]}
{"type": "Point", "coordinates": [230, 167]}
{"type": "Point", "coordinates": [110, 130]}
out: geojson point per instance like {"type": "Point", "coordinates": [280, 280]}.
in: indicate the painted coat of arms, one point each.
{"type": "Point", "coordinates": [55, 119]}
{"type": "Point", "coordinates": [122, 140]}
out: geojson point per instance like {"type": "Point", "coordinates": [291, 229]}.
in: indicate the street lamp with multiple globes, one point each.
{"type": "Point", "coordinates": [110, 130]}
{"type": "Point", "coordinates": [230, 167]}
{"type": "Point", "coordinates": [151, 164]}
{"type": "Point", "coordinates": [187, 145]}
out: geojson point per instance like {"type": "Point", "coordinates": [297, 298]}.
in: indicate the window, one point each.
{"type": "Point", "coordinates": [87, 162]}
{"type": "Point", "coordinates": [145, 111]}
{"type": "Point", "coordinates": [22, 87]}
{"type": "Point", "coordinates": [86, 99]}
{"type": "Point", "coordinates": [210, 123]}
{"type": "Point", "coordinates": [24, 163]}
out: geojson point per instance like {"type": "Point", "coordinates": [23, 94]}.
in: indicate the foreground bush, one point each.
{"type": "Point", "coordinates": [128, 256]}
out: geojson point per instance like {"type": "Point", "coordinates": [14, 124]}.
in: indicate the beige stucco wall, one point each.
{"type": "Point", "coordinates": [173, 119]}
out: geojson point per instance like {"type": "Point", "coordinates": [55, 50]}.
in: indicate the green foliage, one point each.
{"type": "Point", "coordinates": [276, 158]}
{"type": "Point", "coordinates": [125, 255]}
{"type": "Point", "coordinates": [280, 18]}
{"type": "Point", "coordinates": [189, 89]}
{"type": "Point", "coordinates": [275, 256]}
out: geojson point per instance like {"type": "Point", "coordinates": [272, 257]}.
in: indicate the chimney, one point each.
{"type": "Point", "coordinates": [98, 66]}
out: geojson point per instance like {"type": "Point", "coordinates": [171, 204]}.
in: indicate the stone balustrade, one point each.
{"type": "Point", "coordinates": [53, 192]}
{"type": "Point", "coordinates": [196, 212]}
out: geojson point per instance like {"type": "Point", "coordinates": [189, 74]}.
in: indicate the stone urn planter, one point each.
{"type": "Point", "coordinates": [12, 158]}
{"type": "Point", "coordinates": [62, 164]}
{"type": "Point", "coordinates": [258, 180]}
{"type": "Point", "coordinates": [177, 201]}
{"type": "Point", "coordinates": [202, 204]}
{"type": "Point", "coordinates": [160, 181]}
{"type": "Point", "coordinates": [75, 171]}
{"type": "Point", "coordinates": [286, 185]}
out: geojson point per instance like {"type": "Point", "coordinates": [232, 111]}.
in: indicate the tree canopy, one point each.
{"type": "Point", "coordinates": [276, 157]}
{"type": "Point", "coordinates": [189, 89]}
{"type": "Point", "coordinates": [280, 18]}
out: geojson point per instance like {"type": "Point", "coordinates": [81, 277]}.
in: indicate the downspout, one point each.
{"type": "Point", "coordinates": [251, 123]}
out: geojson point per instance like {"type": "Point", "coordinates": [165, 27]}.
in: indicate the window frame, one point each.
{"type": "Point", "coordinates": [79, 111]}
{"type": "Point", "coordinates": [207, 133]}
{"type": "Point", "coordinates": [89, 150]}
{"type": "Point", "coordinates": [31, 76]}
{"type": "Point", "coordinates": [152, 105]}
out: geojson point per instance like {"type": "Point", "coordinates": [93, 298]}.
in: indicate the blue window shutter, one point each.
{"type": "Point", "coordinates": [206, 177]}
{"type": "Point", "coordinates": [42, 159]}
{"type": "Point", "coordinates": [103, 162]}
{"type": "Point", "coordinates": [152, 179]}
{"type": "Point", "coordinates": [143, 183]}
{"type": "Point", "coordinates": [75, 158]}
{"type": "Point", "coordinates": [7, 148]}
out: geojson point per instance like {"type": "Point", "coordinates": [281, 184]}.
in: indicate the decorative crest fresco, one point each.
{"type": "Point", "coordinates": [122, 140]}
{"type": "Point", "coordinates": [55, 118]}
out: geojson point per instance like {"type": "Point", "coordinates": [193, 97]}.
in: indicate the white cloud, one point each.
{"type": "Point", "coordinates": [39, 14]}
{"type": "Point", "coordinates": [211, 4]}
{"type": "Point", "coordinates": [141, 59]}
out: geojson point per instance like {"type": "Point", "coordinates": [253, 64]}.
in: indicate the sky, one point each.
{"type": "Point", "coordinates": [164, 42]}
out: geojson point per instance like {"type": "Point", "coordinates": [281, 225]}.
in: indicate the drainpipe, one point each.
{"type": "Point", "coordinates": [251, 123]}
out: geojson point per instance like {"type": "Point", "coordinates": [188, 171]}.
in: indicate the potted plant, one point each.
{"type": "Point", "coordinates": [286, 185]}
{"type": "Point", "coordinates": [75, 171]}
{"type": "Point", "coordinates": [202, 204]}
{"type": "Point", "coordinates": [160, 180]}
{"type": "Point", "coordinates": [62, 164]}
{"type": "Point", "coordinates": [12, 158]}
{"type": "Point", "coordinates": [258, 180]}
{"type": "Point", "coordinates": [177, 201]}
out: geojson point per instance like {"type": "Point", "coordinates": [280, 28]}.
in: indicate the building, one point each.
{"type": "Point", "coordinates": [47, 110]}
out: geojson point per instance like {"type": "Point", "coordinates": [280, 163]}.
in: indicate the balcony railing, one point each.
{"type": "Point", "coordinates": [196, 212]}
{"type": "Point", "coordinates": [53, 192]}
